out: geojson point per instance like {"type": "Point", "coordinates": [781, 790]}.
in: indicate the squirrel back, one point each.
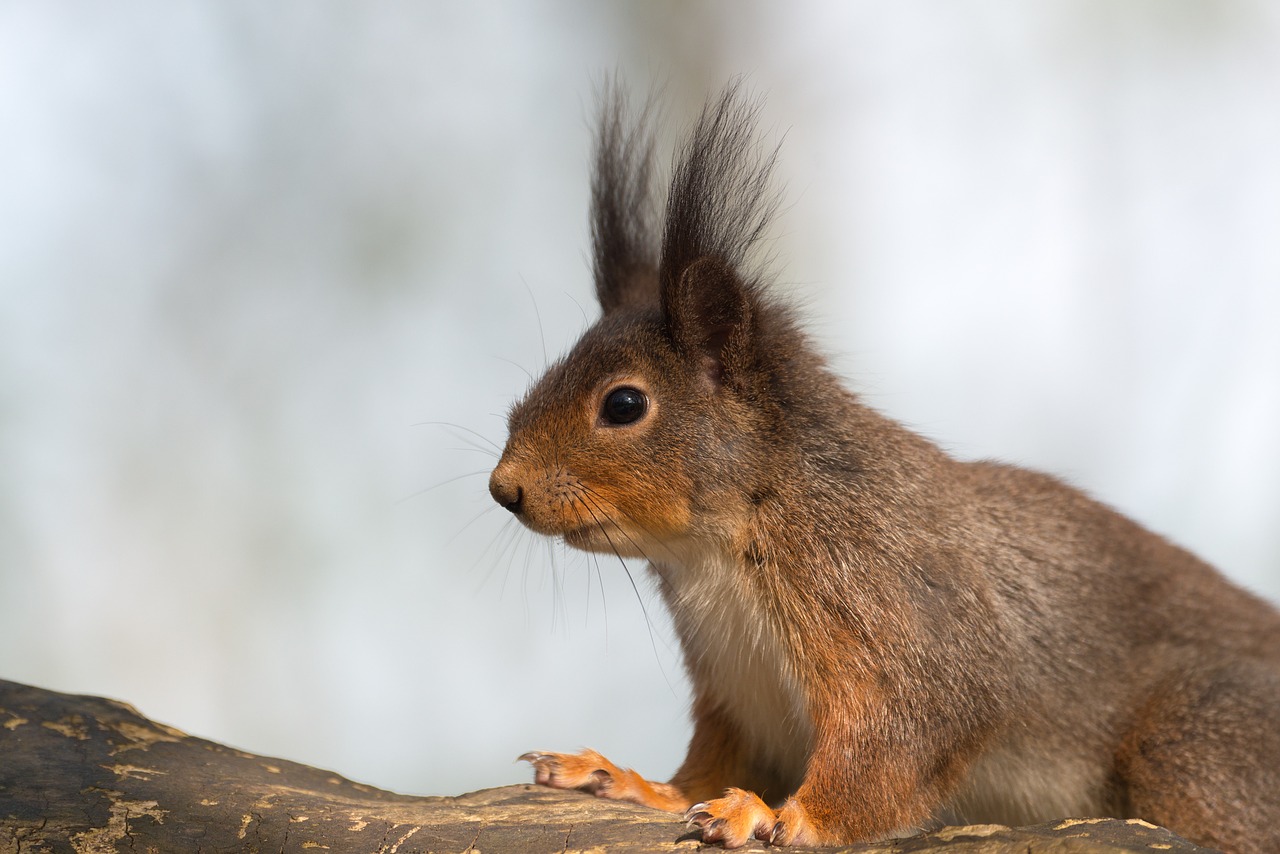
{"type": "Point", "coordinates": [879, 637]}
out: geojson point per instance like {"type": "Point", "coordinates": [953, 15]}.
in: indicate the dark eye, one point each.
{"type": "Point", "coordinates": [624, 405]}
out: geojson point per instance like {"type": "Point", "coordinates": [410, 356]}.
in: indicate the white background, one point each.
{"type": "Point", "coordinates": [247, 249]}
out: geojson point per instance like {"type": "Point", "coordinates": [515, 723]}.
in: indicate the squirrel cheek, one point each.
{"type": "Point", "coordinates": [653, 513]}
{"type": "Point", "coordinates": [667, 517]}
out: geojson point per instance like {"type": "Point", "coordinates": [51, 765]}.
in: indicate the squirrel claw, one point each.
{"type": "Point", "coordinates": [713, 831]}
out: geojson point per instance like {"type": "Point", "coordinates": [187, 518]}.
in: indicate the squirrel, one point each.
{"type": "Point", "coordinates": [880, 638]}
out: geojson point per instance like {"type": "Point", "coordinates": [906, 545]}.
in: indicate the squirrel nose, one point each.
{"type": "Point", "coordinates": [507, 493]}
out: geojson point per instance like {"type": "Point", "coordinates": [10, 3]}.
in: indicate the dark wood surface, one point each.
{"type": "Point", "coordinates": [85, 774]}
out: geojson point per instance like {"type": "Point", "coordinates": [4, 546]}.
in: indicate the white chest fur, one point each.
{"type": "Point", "coordinates": [737, 656]}
{"type": "Point", "coordinates": [1024, 783]}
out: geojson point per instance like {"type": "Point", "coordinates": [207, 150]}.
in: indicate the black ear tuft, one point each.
{"type": "Point", "coordinates": [721, 200]}
{"type": "Point", "coordinates": [719, 206]}
{"type": "Point", "coordinates": [710, 315]}
{"type": "Point", "coordinates": [623, 233]}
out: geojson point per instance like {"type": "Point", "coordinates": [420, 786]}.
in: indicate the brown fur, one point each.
{"type": "Point", "coordinates": [879, 637]}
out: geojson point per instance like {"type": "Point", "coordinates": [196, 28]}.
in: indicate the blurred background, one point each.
{"type": "Point", "coordinates": [251, 256]}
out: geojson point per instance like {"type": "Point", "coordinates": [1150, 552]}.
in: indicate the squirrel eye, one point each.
{"type": "Point", "coordinates": [624, 405]}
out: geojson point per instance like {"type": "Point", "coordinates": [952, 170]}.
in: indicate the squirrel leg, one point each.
{"type": "Point", "coordinates": [838, 802]}
{"type": "Point", "coordinates": [588, 771]}
{"type": "Point", "coordinates": [727, 814]}
{"type": "Point", "coordinates": [714, 761]}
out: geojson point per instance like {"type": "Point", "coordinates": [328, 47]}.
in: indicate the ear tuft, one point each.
{"type": "Point", "coordinates": [710, 313]}
{"type": "Point", "coordinates": [718, 209]}
{"type": "Point", "coordinates": [623, 230]}
{"type": "Point", "coordinates": [721, 199]}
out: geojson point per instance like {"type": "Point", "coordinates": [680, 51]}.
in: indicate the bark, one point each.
{"type": "Point", "coordinates": [86, 774]}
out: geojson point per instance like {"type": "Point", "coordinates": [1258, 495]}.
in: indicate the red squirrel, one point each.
{"type": "Point", "coordinates": [880, 638]}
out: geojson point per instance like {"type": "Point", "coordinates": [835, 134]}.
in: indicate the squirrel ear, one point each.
{"type": "Point", "coordinates": [710, 313]}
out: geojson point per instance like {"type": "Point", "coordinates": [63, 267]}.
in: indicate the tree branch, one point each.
{"type": "Point", "coordinates": [86, 774]}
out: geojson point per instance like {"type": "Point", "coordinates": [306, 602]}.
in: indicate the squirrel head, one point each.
{"type": "Point", "coordinates": [657, 425]}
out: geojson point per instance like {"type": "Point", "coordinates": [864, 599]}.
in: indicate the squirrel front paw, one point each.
{"type": "Point", "coordinates": [588, 771]}
{"type": "Point", "coordinates": [739, 816]}
{"type": "Point", "coordinates": [734, 819]}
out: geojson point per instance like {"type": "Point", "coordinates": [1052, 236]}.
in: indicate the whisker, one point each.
{"type": "Point", "coordinates": [453, 426]}
{"type": "Point", "coordinates": [507, 538]}
{"type": "Point", "coordinates": [558, 593]}
{"type": "Point", "coordinates": [604, 601]}
{"type": "Point", "coordinates": [558, 567]}
{"type": "Point", "coordinates": [529, 564]}
{"type": "Point", "coordinates": [639, 598]}
{"type": "Point", "coordinates": [485, 512]}
{"type": "Point", "coordinates": [524, 593]}
{"type": "Point", "coordinates": [538, 314]}
{"type": "Point", "coordinates": [446, 482]}
{"type": "Point", "coordinates": [586, 321]}
{"type": "Point", "coordinates": [518, 365]}
{"type": "Point", "coordinates": [653, 565]}
{"type": "Point", "coordinates": [594, 562]}
{"type": "Point", "coordinates": [590, 561]}
{"type": "Point", "coordinates": [504, 535]}
{"type": "Point", "coordinates": [475, 449]}
{"type": "Point", "coordinates": [652, 537]}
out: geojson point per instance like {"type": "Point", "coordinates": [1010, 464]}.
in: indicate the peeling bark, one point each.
{"type": "Point", "coordinates": [90, 775]}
